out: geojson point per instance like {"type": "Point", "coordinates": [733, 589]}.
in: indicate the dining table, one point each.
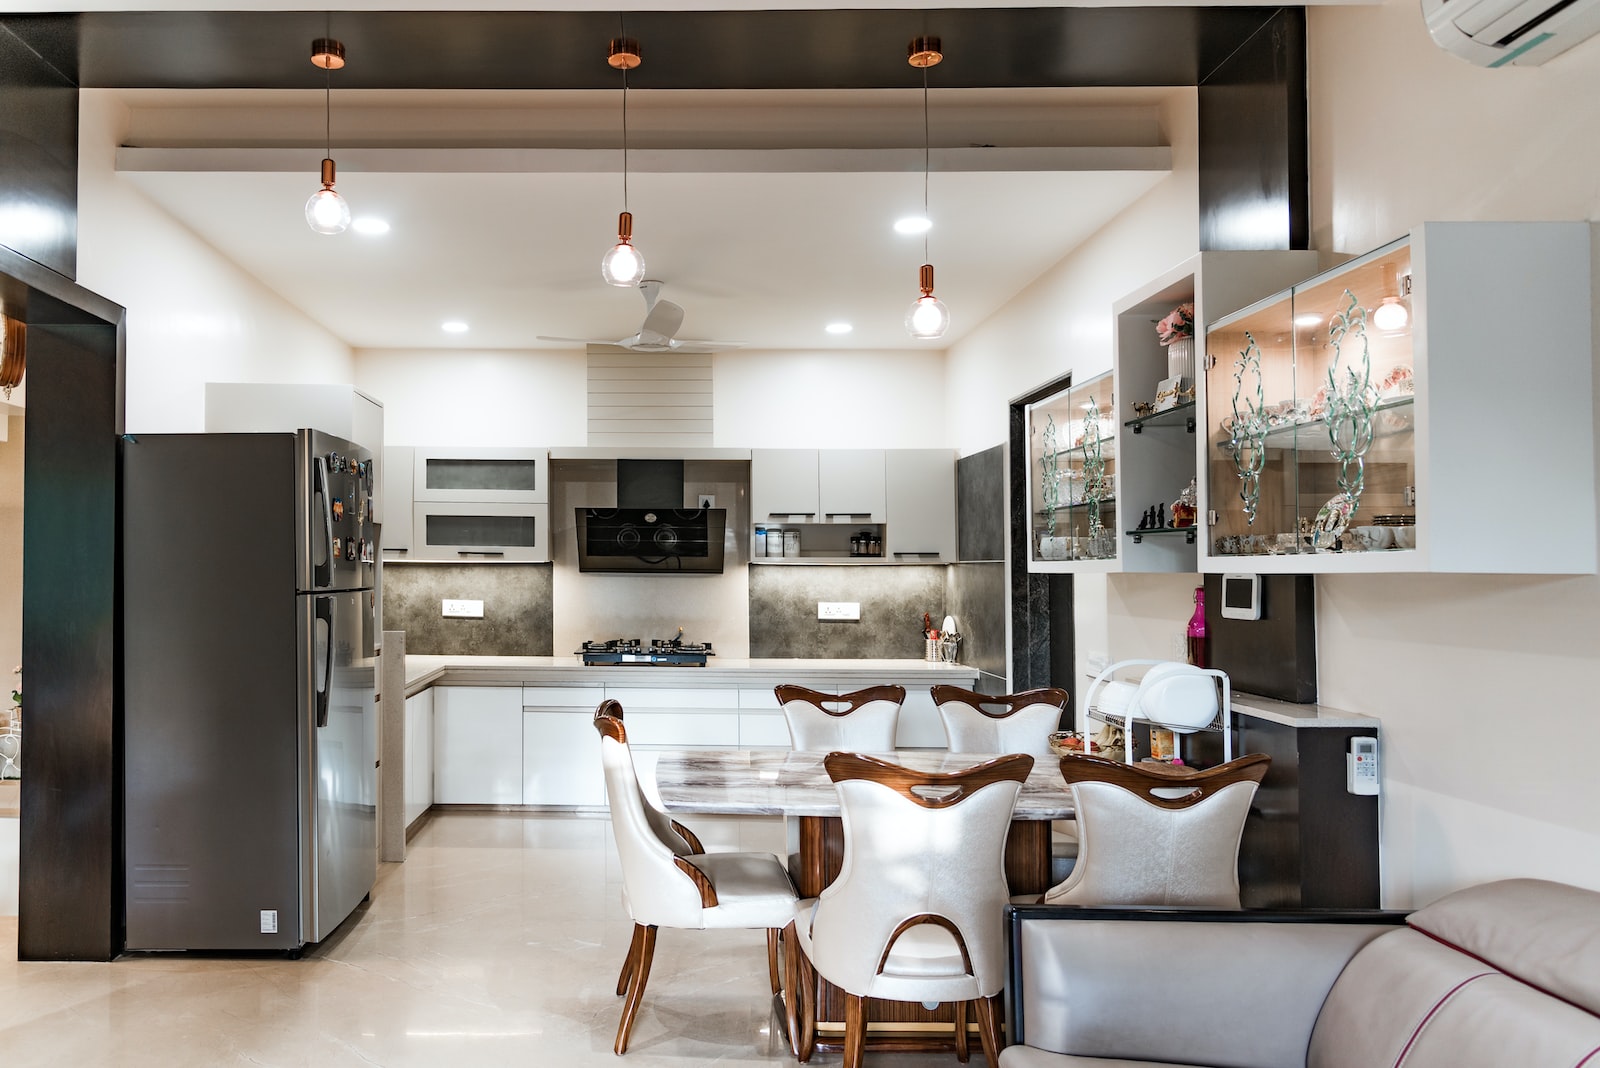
{"type": "Point", "coordinates": [794, 784]}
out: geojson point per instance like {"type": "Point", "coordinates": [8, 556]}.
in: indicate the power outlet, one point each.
{"type": "Point", "coordinates": [707, 501]}
{"type": "Point", "coordinates": [460, 609]}
{"type": "Point", "coordinates": [269, 921]}
{"type": "Point", "coordinates": [834, 610]}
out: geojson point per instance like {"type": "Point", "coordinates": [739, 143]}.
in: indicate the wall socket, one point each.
{"type": "Point", "coordinates": [460, 609]}
{"type": "Point", "coordinates": [839, 610]}
{"type": "Point", "coordinates": [707, 501]}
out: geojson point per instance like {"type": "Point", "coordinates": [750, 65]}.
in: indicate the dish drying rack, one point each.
{"type": "Point", "coordinates": [1166, 698]}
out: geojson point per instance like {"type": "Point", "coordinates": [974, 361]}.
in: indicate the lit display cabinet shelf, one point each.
{"type": "Point", "coordinates": [1072, 465]}
{"type": "Point", "coordinates": [1424, 407]}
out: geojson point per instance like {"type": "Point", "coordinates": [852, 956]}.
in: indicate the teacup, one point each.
{"type": "Point", "coordinates": [1405, 537]}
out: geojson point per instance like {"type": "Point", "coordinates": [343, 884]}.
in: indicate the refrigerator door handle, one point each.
{"type": "Point", "coordinates": [322, 626]}
{"type": "Point", "coordinates": [322, 569]}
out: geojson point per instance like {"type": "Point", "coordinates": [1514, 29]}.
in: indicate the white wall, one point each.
{"type": "Point", "coordinates": [500, 398]}
{"type": "Point", "coordinates": [848, 398]}
{"type": "Point", "coordinates": [1485, 685]}
{"type": "Point", "coordinates": [193, 316]}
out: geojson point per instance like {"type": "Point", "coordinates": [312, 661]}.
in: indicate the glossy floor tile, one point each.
{"type": "Point", "coordinates": [497, 942]}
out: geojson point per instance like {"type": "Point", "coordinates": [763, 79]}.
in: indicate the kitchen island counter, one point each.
{"type": "Point", "coordinates": [425, 671]}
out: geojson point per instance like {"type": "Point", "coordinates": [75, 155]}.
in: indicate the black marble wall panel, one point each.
{"type": "Point", "coordinates": [783, 610]}
{"type": "Point", "coordinates": [976, 595]}
{"type": "Point", "coordinates": [981, 505]}
{"type": "Point", "coordinates": [517, 617]}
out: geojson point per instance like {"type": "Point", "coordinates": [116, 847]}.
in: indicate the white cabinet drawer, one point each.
{"type": "Point", "coordinates": [920, 726]}
{"type": "Point", "coordinates": [477, 745]}
{"type": "Point", "coordinates": [643, 697]}
{"type": "Point", "coordinates": [756, 731]}
{"type": "Point", "coordinates": [582, 697]}
{"type": "Point", "coordinates": [758, 699]}
{"type": "Point", "coordinates": [683, 730]}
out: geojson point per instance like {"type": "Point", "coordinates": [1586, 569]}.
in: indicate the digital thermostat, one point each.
{"type": "Point", "coordinates": [1241, 596]}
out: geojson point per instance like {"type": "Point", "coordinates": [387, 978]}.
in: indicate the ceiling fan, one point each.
{"type": "Point", "coordinates": [656, 334]}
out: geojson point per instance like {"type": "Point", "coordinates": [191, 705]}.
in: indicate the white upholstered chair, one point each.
{"type": "Point", "coordinates": [1007, 723]}
{"type": "Point", "coordinates": [917, 911]}
{"type": "Point", "coordinates": [863, 720]}
{"type": "Point", "coordinates": [1157, 835]}
{"type": "Point", "coordinates": [670, 881]}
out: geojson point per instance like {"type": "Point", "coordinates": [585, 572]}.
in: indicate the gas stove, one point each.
{"type": "Point", "coordinates": [660, 652]}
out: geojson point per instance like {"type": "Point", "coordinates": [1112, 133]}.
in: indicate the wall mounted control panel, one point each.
{"type": "Point", "coordinates": [1361, 766]}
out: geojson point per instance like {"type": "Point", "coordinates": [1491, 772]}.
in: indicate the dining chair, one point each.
{"type": "Point", "coordinates": [1007, 723]}
{"type": "Point", "coordinates": [669, 880]}
{"type": "Point", "coordinates": [863, 720]}
{"type": "Point", "coordinates": [917, 912]}
{"type": "Point", "coordinates": [1153, 834]}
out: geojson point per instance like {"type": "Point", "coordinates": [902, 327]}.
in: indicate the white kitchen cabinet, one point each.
{"type": "Point", "coordinates": [850, 486]}
{"type": "Point", "coordinates": [477, 745]}
{"type": "Point", "coordinates": [560, 747]}
{"type": "Point", "coordinates": [419, 755]}
{"type": "Point", "coordinates": [481, 476]}
{"type": "Point", "coordinates": [920, 726]}
{"type": "Point", "coordinates": [479, 531]}
{"type": "Point", "coordinates": [1377, 416]}
{"type": "Point", "coordinates": [783, 483]}
{"type": "Point", "coordinates": [920, 493]}
{"type": "Point", "coordinates": [394, 477]}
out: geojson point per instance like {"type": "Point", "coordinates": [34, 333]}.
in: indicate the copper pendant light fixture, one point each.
{"type": "Point", "coordinates": [326, 211]}
{"type": "Point", "coordinates": [13, 354]}
{"type": "Point", "coordinates": [622, 265]}
{"type": "Point", "coordinates": [928, 318]}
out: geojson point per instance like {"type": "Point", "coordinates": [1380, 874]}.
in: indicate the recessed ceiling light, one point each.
{"type": "Point", "coordinates": [370, 225]}
{"type": "Point", "coordinates": [913, 224]}
{"type": "Point", "coordinates": [1308, 320]}
{"type": "Point", "coordinates": [838, 328]}
{"type": "Point", "coordinates": [453, 326]}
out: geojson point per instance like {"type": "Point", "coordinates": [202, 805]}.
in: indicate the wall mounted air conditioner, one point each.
{"type": "Point", "coordinates": [1494, 33]}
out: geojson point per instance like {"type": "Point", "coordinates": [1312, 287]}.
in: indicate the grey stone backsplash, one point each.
{"type": "Point", "coordinates": [783, 610]}
{"type": "Point", "coordinates": [516, 608]}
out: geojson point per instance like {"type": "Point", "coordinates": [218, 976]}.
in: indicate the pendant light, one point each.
{"type": "Point", "coordinates": [928, 318]}
{"type": "Point", "coordinates": [326, 211]}
{"type": "Point", "coordinates": [13, 353]}
{"type": "Point", "coordinates": [622, 265]}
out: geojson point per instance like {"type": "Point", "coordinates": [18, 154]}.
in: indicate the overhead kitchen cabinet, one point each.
{"type": "Point", "coordinates": [921, 504]}
{"type": "Point", "coordinates": [904, 498]}
{"type": "Point", "coordinates": [488, 504]}
{"type": "Point", "coordinates": [481, 476]}
{"type": "Point", "coordinates": [394, 475]}
{"type": "Point", "coordinates": [1424, 407]}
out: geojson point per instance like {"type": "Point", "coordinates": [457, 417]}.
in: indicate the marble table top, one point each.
{"type": "Point", "coordinates": [785, 782]}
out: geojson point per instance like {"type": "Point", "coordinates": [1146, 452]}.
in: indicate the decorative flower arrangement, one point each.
{"type": "Point", "coordinates": [1177, 325]}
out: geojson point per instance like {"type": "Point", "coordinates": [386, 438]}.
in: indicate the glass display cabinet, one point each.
{"type": "Point", "coordinates": [1072, 465]}
{"type": "Point", "coordinates": [1379, 416]}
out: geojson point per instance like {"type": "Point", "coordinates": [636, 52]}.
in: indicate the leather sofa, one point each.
{"type": "Point", "coordinates": [1504, 975]}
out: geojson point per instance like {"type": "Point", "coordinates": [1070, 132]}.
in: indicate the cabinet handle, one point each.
{"type": "Point", "coordinates": [480, 552]}
{"type": "Point", "coordinates": [918, 552]}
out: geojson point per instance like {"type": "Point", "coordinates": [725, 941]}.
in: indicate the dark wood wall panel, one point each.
{"type": "Point", "coordinates": [38, 158]}
{"type": "Point", "coordinates": [1254, 177]}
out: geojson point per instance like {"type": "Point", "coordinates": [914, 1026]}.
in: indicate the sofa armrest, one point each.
{"type": "Point", "coordinates": [1179, 985]}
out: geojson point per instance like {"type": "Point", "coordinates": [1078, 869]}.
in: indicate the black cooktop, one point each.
{"type": "Point", "coordinates": [658, 651]}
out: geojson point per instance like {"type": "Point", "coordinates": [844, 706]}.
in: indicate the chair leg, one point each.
{"type": "Point", "coordinates": [791, 981]}
{"type": "Point", "coordinates": [989, 1029]}
{"type": "Point", "coordinates": [855, 1030]}
{"type": "Point", "coordinates": [807, 1005]}
{"type": "Point", "coordinates": [772, 959]}
{"type": "Point", "coordinates": [636, 983]}
{"type": "Point", "coordinates": [627, 964]}
{"type": "Point", "coordinates": [958, 1013]}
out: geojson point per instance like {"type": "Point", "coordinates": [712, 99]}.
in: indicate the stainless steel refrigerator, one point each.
{"type": "Point", "coordinates": [250, 727]}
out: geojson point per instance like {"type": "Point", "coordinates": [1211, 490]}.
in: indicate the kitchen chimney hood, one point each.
{"type": "Point", "coordinates": [650, 530]}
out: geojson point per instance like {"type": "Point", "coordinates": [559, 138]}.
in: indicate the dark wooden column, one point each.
{"type": "Point", "coordinates": [38, 155]}
{"type": "Point", "coordinates": [70, 905]}
{"type": "Point", "coordinates": [1254, 176]}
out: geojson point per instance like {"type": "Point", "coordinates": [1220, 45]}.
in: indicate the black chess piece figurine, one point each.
{"type": "Point", "coordinates": [1161, 515]}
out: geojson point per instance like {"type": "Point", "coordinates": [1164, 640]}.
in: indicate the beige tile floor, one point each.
{"type": "Point", "coordinates": [497, 942]}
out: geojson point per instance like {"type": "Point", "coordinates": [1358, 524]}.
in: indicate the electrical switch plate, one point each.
{"type": "Point", "coordinates": [458, 609]}
{"type": "Point", "coordinates": [839, 610]}
{"type": "Point", "coordinates": [707, 501]}
{"type": "Point", "coordinates": [269, 921]}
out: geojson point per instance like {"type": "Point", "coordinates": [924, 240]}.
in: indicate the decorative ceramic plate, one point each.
{"type": "Point", "coordinates": [1331, 520]}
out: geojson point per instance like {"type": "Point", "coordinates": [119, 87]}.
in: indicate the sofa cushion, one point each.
{"type": "Point", "coordinates": [1384, 996]}
{"type": "Point", "coordinates": [1497, 1020]}
{"type": "Point", "coordinates": [1546, 934]}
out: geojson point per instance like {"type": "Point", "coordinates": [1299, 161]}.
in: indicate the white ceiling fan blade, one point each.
{"type": "Point", "coordinates": [661, 323]}
{"type": "Point", "coordinates": [692, 345]}
{"type": "Point", "coordinates": [619, 342]}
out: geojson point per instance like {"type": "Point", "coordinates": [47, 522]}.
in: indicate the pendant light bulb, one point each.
{"type": "Point", "coordinates": [326, 211]}
{"type": "Point", "coordinates": [622, 265]}
{"type": "Point", "coordinates": [1391, 315]}
{"type": "Point", "coordinates": [928, 318]}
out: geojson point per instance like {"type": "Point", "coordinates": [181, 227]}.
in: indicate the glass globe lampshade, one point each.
{"type": "Point", "coordinates": [326, 211]}
{"type": "Point", "coordinates": [622, 265]}
{"type": "Point", "coordinates": [1390, 315]}
{"type": "Point", "coordinates": [928, 318]}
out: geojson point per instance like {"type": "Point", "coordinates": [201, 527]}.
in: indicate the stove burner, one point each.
{"type": "Point", "coordinates": [662, 652]}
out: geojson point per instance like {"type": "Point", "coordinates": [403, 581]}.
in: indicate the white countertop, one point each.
{"type": "Point", "coordinates": [425, 671]}
{"type": "Point", "coordinates": [1295, 715]}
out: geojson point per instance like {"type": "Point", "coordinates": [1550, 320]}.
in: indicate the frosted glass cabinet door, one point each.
{"type": "Point", "coordinates": [477, 745]}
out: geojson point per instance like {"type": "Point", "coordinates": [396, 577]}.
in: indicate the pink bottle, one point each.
{"type": "Point", "coordinates": [1196, 631]}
